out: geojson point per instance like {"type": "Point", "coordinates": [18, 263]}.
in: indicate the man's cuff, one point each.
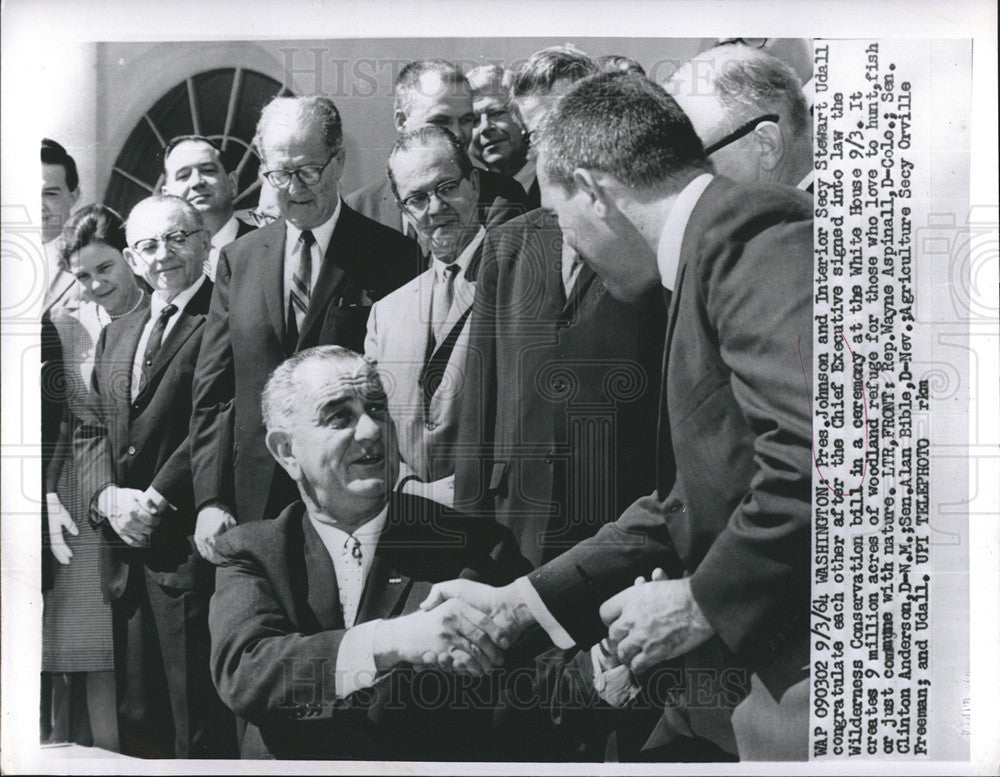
{"type": "Point", "coordinates": [559, 636]}
{"type": "Point", "coordinates": [356, 659]}
{"type": "Point", "coordinates": [94, 516]}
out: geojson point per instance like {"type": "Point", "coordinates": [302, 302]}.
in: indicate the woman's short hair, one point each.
{"type": "Point", "coordinates": [91, 224]}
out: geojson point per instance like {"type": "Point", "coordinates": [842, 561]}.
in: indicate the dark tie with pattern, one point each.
{"type": "Point", "coordinates": [154, 343]}
{"type": "Point", "coordinates": [444, 295]}
{"type": "Point", "coordinates": [298, 296]}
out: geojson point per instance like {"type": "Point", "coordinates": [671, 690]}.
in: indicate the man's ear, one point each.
{"type": "Point", "coordinates": [400, 119]}
{"type": "Point", "coordinates": [475, 180]}
{"type": "Point", "coordinates": [279, 444]}
{"type": "Point", "coordinates": [234, 182]}
{"type": "Point", "coordinates": [75, 196]}
{"type": "Point", "coordinates": [770, 145]}
{"type": "Point", "coordinates": [135, 262]}
{"type": "Point", "coordinates": [595, 191]}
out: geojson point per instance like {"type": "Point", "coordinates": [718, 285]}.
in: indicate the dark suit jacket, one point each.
{"type": "Point", "coordinates": [142, 443]}
{"type": "Point", "coordinates": [277, 625]}
{"type": "Point", "coordinates": [559, 395]}
{"type": "Point", "coordinates": [736, 415]}
{"type": "Point", "coordinates": [500, 198]}
{"type": "Point", "coordinates": [245, 340]}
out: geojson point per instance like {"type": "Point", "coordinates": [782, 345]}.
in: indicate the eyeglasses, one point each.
{"type": "Point", "coordinates": [743, 131]}
{"type": "Point", "coordinates": [754, 43]}
{"type": "Point", "coordinates": [446, 191]}
{"type": "Point", "coordinates": [308, 175]}
{"type": "Point", "coordinates": [148, 248]}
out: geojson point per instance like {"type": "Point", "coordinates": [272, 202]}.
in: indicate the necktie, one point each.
{"type": "Point", "coordinates": [298, 294]}
{"type": "Point", "coordinates": [154, 343]}
{"type": "Point", "coordinates": [351, 580]}
{"type": "Point", "coordinates": [444, 295]}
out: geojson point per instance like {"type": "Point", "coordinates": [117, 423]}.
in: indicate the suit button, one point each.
{"type": "Point", "coordinates": [559, 384]}
{"type": "Point", "coordinates": [431, 426]}
{"type": "Point", "coordinates": [131, 450]}
{"type": "Point", "coordinates": [550, 457]}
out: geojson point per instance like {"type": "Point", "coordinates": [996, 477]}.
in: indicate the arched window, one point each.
{"type": "Point", "coordinates": [222, 104]}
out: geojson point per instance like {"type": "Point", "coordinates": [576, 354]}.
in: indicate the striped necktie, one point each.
{"type": "Point", "coordinates": [298, 296]}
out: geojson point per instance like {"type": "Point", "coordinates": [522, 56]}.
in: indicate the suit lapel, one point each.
{"type": "Point", "coordinates": [384, 593]}
{"type": "Point", "coordinates": [119, 358]}
{"type": "Point", "coordinates": [323, 597]}
{"type": "Point", "coordinates": [464, 294]}
{"type": "Point", "coordinates": [272, 276]}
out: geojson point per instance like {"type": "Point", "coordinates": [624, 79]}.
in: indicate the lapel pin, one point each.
{"type": "Point", "coordinates": [395, 580]}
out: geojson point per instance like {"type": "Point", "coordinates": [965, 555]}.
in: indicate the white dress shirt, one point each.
{"type": "Point", "coordinates": [220, 240]}
{"type": "Point", "coordinates": [293, 236]}
{"type": "Point", "coordinates": [356, 654]}
{"type": "Point", "coordinates": [668, 257]}
{"type": "Point", "coordinates": [157, 302]}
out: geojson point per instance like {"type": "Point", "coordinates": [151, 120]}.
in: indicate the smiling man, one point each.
{"type": "Point", "coordinates": [306, 279]}
{"type": "Point", "coordinates": [317, 636]}
{"type": "Point", "coordinates": [134, 457]}
{"type": "Point", "coordinates": [499, 140]}
{"type": "Point", "coordinates": [435, 92]}
{"type": "Point", "coordinates": [418, 335]}
{"type": "Point", "coordinates": [192, 170]}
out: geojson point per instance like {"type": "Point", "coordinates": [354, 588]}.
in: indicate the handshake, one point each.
{"type": "Point", "coordinates": [467, 626]}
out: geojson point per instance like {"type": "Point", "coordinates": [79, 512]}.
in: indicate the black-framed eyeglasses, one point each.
{"type": "Point", "coordinates": [147, 248]}
{"type": "Point", "coordinates": [308, 175]}
{"type": "Point", "coordinates": [446, 191]}
{"type": "Point", "coordinates": [742, 132]}
{"type": "Point", "coordinates": [754, 43]}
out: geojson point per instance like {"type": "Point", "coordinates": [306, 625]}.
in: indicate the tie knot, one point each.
{"type": "Point", "coordinates": [168, 311]}
{"type": "Point", "coordinates": [450, 271]}
{"type": "Point", "coordinates": [307, 237]}
{"type": "Point", "coordinates": [353, 544]}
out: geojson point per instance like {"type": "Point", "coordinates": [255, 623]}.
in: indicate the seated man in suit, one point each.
{"type": "Point", "coordinates": [317, 638]}
{"type": "Point", "coordinates": [417, 336]}
{"type": "Point", "coordinates": [432, 91]}
{"type": "Point", "coordinates": [499, 139]}
{"type": "Point", "coordinates": [132, 449]}
{"type": "Point", "coordinates": [192, 170]}
{"type": "Point", "coordinates": [748, 108]}
{"type": "Point", "coordinates": [306, 279]}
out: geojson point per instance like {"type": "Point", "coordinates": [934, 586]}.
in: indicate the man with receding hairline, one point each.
{"type": "Point", "coordinates": [134, 458]}
{"type": "Point", "coordinates": [748, 108]}
{"type": "Point", "coordinates": [306, 279]}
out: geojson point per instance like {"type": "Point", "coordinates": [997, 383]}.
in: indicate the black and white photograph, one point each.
{"type": "Point", "coordinates": [427, 388]}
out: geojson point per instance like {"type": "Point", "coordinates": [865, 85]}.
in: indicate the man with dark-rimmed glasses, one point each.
{"type": "Point", "coordinates": [307, 279]}
{"type": "Point", "coordinates": [748, 108]}
{"type": "Point", "coordinates": [418, 335]}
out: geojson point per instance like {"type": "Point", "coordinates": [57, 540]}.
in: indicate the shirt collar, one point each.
{"type": "Point", "coordinates": [526, 175]}
{"type": "Point", "coordinates": [336, 539]}
{"type": "Point", "coordinates": [227, 234]}
{"type": "Point", "coordinates": [323, 233]}
{"type": "Point", "coordinates": [668, 253]}
{"type": "Point", "coordinates": [806, 182]}
{"type": "Point", "coordinates": [158, 302]}
{"type": "Point", "coordinates": [464, 258]}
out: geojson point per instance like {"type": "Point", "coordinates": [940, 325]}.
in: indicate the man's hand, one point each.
{"type": "Point", "coordinates": [130, 520]}
{"type": "Point", "coordinates": [654, 622]}
{"type": "Point", "coordinates": [59, 520]}
{"type": "Point", "coordinates": [503, 605]}
{"type": "Point", "coordinates": [213, 520]}
{"type": "Point", "coordinates": [453, 636]}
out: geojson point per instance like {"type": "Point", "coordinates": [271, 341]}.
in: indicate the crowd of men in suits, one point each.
{"type": "Point", "coordinates": [505, 455]}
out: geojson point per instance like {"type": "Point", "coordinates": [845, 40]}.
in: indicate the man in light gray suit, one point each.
{"type": "Point", "coordinates": [418, 334]}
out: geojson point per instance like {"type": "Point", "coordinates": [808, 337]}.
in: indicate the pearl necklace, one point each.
{"type": "Point", "coordinates": [135, 307]}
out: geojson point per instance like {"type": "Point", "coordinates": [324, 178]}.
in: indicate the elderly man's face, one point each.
{"type": "Point", "coordinates": [57, 201]}
{"type": "Point", "coordinates": [166, 246]}
{"type": "Point", "coordinates": [343, 451]}
{"type": "Point", "coordinates": [194, 172]}
{"type": "Point", "coordinates": [290, 147]}
{"type": "Point", "coordinates": [497, 136]}
{"type": "Point", "coordinates": [439, 202]}
{"type": "Point", "coordinates": [432, 101]}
